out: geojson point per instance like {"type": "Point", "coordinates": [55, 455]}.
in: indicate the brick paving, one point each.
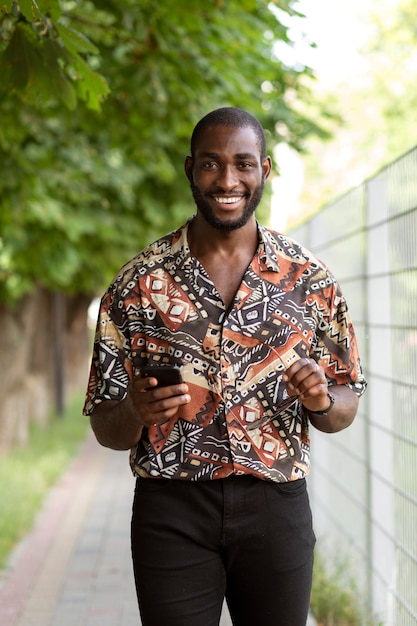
{"type": "Point", "coordinates": [74, 568]}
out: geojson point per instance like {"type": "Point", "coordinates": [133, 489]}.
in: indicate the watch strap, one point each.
{"type": "Point", "coordinates": [325, 411]}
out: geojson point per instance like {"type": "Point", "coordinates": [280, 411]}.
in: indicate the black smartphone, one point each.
{"type": "Point", "coordinates": [165, 374]}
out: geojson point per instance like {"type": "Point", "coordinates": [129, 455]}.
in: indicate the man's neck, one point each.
{"type": "Point", "coordinates": [224, 255]}
{"type": "Point", "coordinates": [205, 240]}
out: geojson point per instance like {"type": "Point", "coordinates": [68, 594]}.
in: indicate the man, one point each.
{"type": "Point", "coordinates": [261, 333]}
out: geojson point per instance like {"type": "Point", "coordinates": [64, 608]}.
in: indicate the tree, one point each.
{"type": "Point", "coordinates": [85, 186]}
{"type": "Point", "coordinates": [392, 56]}
{"type": "Point", "coordinates": [97, 102]}
{"type": "Point", "coordinates": [377, 104]}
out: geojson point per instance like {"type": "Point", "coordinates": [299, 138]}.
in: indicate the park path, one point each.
{"type": "Point", "coordinates": [74, 568]}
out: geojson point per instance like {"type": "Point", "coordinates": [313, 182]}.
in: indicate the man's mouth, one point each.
{"type": "Point", "coordinates": [228, 199]}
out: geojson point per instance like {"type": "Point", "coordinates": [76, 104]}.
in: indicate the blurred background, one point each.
{"type": "Point", "coordinates": [97, 104]}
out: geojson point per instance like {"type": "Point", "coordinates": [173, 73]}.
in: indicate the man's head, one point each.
{"type": "Point", "coordinates": [227, 167]}
{"type": "Point", "coordinates": [230, 116]}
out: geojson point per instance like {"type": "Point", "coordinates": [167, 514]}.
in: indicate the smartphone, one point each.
{"type": "Point", "coordinates": [165, 374]}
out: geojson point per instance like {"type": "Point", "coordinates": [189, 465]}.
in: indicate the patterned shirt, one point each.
{"type": "Point", "coordinates": [163, 308]}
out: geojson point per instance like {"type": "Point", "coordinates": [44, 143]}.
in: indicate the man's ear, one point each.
{"type": "Point", "coordinates": [267, 166]}
{"type": "Point", "coordinates": [188, 166]}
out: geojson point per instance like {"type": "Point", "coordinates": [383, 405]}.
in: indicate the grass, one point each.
{"type": "Point", "coordinates": [27, 473]}
{"type": "Point", "coordinates": [336, 599]}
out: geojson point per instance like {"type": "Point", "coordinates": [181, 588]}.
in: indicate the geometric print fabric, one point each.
{"type": "Point", "coordinates": [163, 308]}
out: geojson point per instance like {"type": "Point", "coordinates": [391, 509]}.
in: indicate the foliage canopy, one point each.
{"type": "Point", "coordinates": [97, 102]}
{"type": "Point", "coordinates": [376, 98]}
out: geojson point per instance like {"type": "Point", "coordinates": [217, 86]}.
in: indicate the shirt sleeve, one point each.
{"type": "Point", "coordinates": [111, 365]}
{"type": "Point", "coordinates": [336, 347]}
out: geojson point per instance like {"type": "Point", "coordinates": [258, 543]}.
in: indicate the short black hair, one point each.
{"type": "Point", "coordinates": [230, 116]}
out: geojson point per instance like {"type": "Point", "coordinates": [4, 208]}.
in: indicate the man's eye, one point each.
{"type": "Point", "coordinates": [244, 166]}
{"type": "Point", "coordinates": [209, 166]}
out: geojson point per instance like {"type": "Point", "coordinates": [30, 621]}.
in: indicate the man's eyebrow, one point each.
{"type": "Point", "coordinates": [239, 156]}
{"type": "Point", "coordinates": [208, 155]}
{"type": "Point", "coordinates": [246, 155]}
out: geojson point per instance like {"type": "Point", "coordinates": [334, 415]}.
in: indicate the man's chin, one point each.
{"type": "Point", "coordinates": [228, 226]}
{"type": "Point", "coordinates": [225, 225]}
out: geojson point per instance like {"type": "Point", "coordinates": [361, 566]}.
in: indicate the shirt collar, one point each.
{"type": "Point", "coordinates": [266, 253]}
{"type": "Point", "coordinates": [180, 247]}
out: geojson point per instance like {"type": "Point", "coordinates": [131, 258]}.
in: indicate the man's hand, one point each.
{"type": "Point", "coordinates": [154, 404]}
{"type": "Point", "coordinates": [118, 424]}
{"type": "Point", "coordinates": [306, 380]}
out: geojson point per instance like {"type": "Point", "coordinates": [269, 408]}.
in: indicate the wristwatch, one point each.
{"type": "Point", "coordinates": [331, 400]}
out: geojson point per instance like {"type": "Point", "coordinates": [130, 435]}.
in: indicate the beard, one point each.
{"type": "Point", "coordinates": [207, 212]}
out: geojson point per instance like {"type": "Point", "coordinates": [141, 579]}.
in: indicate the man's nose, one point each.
{"type": "Point", "coordinates": [227, 177]}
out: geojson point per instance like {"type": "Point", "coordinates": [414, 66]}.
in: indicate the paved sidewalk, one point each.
{"type": "Point", "coordinates": [74, 568]}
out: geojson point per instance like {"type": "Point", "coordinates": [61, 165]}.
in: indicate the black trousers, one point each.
{"type": "Point", "coordinates": [247, 540]}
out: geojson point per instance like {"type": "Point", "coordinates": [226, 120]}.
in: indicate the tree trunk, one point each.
{"type": "Point", "coordinates": [44, 359]}
{"type": "Point", "coordinates": [78, 343]}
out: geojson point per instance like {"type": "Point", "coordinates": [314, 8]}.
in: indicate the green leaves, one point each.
{"type": "Point", "coordinates": [33, 71]}
{"type": "Point", "coordinates": [6, 6]}
{"type": "Point", "coordinates": [29, 9]}
{"type": "Point", "coordinates": [45, 61]}
{"type": "Point", "coordinates": [89, 175]}
{"type": "Point", "coordinates": [75, 42]}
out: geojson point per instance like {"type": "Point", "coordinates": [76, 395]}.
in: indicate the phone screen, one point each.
{"type": "Point", "coordinates": [165, 374]}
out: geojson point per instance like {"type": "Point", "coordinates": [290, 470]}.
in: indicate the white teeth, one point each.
{"type": "Point", "coordinates": [230, 200]}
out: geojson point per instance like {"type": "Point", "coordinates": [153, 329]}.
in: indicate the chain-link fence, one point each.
{"type": "Point", "coordinates": [363, 484]}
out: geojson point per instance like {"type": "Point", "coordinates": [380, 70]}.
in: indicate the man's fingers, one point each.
{"type": "Point", "coordinates": [157, 404]}
{"type": "Point", "coordinates": [305, 377]}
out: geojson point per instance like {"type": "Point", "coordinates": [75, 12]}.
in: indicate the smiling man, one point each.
{"type": "Point", "coordinates": [261, 335]}
{"type": "Point", "coordinates": [236, 186]}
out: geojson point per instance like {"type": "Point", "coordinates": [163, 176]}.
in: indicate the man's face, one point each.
{"type": "Point", "coordinates": [227, 176]}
